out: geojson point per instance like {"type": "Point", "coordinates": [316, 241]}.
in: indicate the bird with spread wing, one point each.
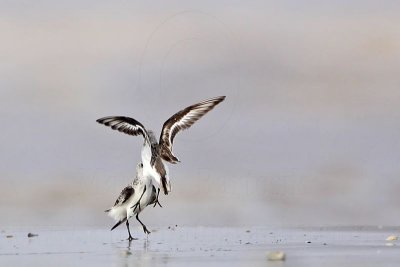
{"type": "Point", "coordinates": [155, 153]}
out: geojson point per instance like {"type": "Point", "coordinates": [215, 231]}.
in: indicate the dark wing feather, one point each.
{"type": "Point", "coordinates": [124, 124]}
{"type": "Point", "coordinates": [183, 120]}
{"type": "Point", "coordinates": [126, 193]}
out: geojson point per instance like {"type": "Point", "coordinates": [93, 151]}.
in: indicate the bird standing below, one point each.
{"type": "Point", "coordinates": [133, 199]}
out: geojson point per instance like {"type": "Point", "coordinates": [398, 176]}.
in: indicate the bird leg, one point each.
{"type": "Point", "coordinates": [144, 226]}
{"type": "Point", "coordinates": [157, 202]}
{"type": "Point", "coordinates": [130, 238]}
{"type": "Point", "coordinates": [138, 203]}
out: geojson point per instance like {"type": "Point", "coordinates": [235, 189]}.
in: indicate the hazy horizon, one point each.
{"type": "Point", "coordinates": [308, 133]}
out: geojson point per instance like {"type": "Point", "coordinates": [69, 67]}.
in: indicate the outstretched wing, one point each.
{"type": "Point", "coordinates": [181, 121]}
{"type": "Point", "coordinates": [124, 124]}
{"type": "Point", "coordinates": [126, 193]}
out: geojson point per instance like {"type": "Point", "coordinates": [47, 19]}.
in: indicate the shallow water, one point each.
{"type": "Point", "coordinates": [179, 246]}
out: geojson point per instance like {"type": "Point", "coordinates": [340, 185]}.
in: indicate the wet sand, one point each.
{"type": "Point", "coordinates": [200, 246]}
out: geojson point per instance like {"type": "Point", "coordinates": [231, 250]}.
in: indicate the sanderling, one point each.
{"type": "Point", "coordinates": [155, 153]}
{"type": "Point", "coordinates": [133, 199]}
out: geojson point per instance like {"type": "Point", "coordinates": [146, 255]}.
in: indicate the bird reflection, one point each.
{"type": "Point", "coordinates": [137, 253]}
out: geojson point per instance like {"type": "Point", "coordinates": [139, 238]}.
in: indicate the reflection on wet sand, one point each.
{"type": "Point", "coordinates": [137, 252]}
{"type": "Point", "coordinates": [199, 246]}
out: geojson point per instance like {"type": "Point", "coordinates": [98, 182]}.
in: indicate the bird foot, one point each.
{"type": "Point", "coordinates": [130, 238]}
{"type": "Point", "coordinates": [145, 230]}
{"type": "Point", "coordinates": [157, 203]}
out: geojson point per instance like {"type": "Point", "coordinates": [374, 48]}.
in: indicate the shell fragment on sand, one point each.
{"type": "Point", "coordinates": [391, 238]}
{"type": "Point", "coordinates": [276, 256]}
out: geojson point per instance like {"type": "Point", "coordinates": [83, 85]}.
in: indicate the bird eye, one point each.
{"type": "Point", "coordinates": [141, 164]}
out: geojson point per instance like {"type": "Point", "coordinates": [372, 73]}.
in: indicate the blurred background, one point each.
{"type": "Point", "coordinates": [308, 134]}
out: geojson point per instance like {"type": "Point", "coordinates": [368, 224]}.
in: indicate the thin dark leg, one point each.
{"type": "Point", "coordinates": [144, 226]}
{"type": "Point", "coordinates": [130, 238]}
{"type": "Point", "coordinates": [138, 203]}
{"type": "Point", "coordinates": [157, 202]}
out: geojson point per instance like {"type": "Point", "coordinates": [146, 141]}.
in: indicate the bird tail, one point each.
{"type": "Point", "coordinates": [117, 224]}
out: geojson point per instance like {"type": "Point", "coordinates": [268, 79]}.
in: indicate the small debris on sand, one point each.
{"type": "Point", "coordinates": [247, 231]}
{"type": "Point", "coordinates": [126, 253]}
{"type": "Point", "coordinates": [276, 256]}
{"type": "Point", "coordinates": [391, 238]}
{"type": "Point", "coordinates": [9, 236]}
{"type": "Point", "coordinates": [308, 242]}
{"type": "Point", "coordinates": [32, 235]}
{"type": "Point", "coordinates": [390, 244]}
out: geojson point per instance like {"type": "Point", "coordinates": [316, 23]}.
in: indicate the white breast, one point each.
{"type": "Point", "coordinates": [148, 170]}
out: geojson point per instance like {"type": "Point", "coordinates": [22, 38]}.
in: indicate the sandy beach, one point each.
{"type": "Point", "coordinates": [180, 246]}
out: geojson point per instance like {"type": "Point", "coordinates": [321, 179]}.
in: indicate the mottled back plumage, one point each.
{"type": "Point", "coordinates": [126, 193]}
